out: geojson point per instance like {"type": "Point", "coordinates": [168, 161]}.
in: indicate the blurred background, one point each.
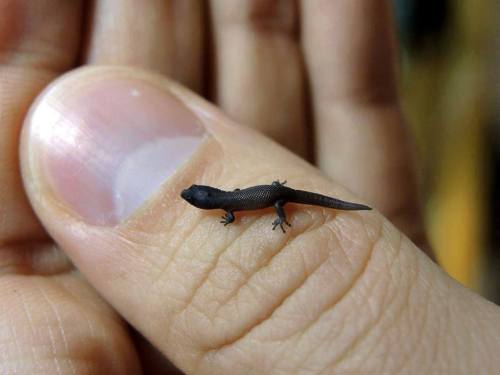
{"type": "Point", "coordinates": [451, 94]}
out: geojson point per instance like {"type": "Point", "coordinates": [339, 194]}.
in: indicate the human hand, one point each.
{"type": "Point", "coordinates": [103, 154]}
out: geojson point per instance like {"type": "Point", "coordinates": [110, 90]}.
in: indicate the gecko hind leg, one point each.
{"type": "Point", "coordinates": [278, 206]}
{"type": "Point", "coordinates": [228, 218]}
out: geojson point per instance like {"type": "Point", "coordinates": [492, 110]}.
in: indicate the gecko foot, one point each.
{"type": "Point", "coordinates": [280, 222]}
{"type": "Point", "coordinates": [278, 183]}
{"type": "Point", "coordinates": [228, 218]}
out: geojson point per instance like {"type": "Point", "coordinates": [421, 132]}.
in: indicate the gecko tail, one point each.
{"type": "Point", "coordinates": [306, 197]}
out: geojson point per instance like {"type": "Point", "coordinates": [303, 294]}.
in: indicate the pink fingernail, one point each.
{"type": "Point", "coordinates": [106, 146]}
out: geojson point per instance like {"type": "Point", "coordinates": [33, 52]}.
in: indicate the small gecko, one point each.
{"type": "Point", "coordinates": [261, 196]}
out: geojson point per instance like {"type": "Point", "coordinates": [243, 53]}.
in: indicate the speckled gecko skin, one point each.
{"type": "Point", "coordinates": [261, 196]}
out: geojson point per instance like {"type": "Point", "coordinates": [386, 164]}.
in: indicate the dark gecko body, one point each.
{"type": "Point", "coordinates": [261, 196]}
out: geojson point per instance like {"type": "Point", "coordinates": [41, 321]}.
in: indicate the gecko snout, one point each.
{"type": "Point", "coordinates": [186, 194]}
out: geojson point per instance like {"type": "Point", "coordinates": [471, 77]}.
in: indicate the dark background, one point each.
{"type": "Point", "coordinates": [451, 94]}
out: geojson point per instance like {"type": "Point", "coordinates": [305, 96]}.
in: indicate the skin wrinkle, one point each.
{"type": "Point", "coordinates": [336, 301]}
{"type": "Point", "coordinates": [236, 265]}
{"type": "Point", "coordinates": [266, 264]}
{"type": "Point", "coordinates": [346, 253]}
{"type": "Point", "coordinates": [440, 320]}
{"type": "Point", "coordinates": [448, 316]}
{"type": "Point", "coordinates": [172, 223]}
{"type": "Point", "coordinates": [477, 326]}
{"type": "Point", "coordinates": [273, 310]}
{"type": "Point", "coordinates": [407, 306]}
{"type": "Point", "coordinates": [61, 327]}
{"type": "Point", "coordinates": [282, 350]}
{"type": "Point", "coordinates": [437, 320]}
{"type": "Point", "coordinates": [89, 324]}
{"type": "Point", "coordinates": [424, 324]}
{"type": "Point", "coordinates": [173, 256]}
{"type": "Point", "coordinates": [378, 317]}
{"type": "Point", "coordinates": [241, 336]}
{"type": "Point", "coordinates": [60, 280]}
{"type": "Point", "coordinates": [52, 338]}
{"type": "Point", "coordinates": [143, 255]}
{"type": "Point", "coordinates": [303, 331]}
{"type": "Point", "coordinates": [393, 322]}
{"type": "Point", "coordinates": [321, 343]}
{"type": "Point", "coordinates": [398, 314]}
{"type": "Point", "coordinates": [298, 335]}
{"type": "Point", "coordinates": [469, 344]}
{"type": "Point", "coordinates": [30, 320]}
{"type": "Point", "coordinates": [134, 246]}
{"type": "Point", "coordinates": [469, 339]}
{"type": "Point", "coordinates": [131, 246]}
{"type": "Point", "coordinates": [128, 252]}
{"type": "Point", "coordinates": [89, 305]}
{"type": "Point", "coordinates": [4, 355]}
{"type": "Point", "coordinates": [377, 320]}
{"type": "Point", "coordinates": [260, 321]}
{"type": "Point", "coordinates": [261, 267]}
{"type": "Point", "coordinates": [12, 325]}
{"type": "Point", "coordinates": [70, 358]}
{"type": "Point", "coordinates": [188, 303]}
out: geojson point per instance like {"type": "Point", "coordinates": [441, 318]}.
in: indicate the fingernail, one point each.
{"type": "Point", "coordinates": [105, 146]}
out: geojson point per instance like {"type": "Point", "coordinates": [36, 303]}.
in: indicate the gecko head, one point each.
{"type": "Point", "coordinates": [200, 196]}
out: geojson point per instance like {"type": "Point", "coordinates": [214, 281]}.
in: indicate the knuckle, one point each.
{"type": "Point", "coordinates": [260, 15]}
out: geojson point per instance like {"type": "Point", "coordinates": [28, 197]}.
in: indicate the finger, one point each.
{"type": "Point", "coordinates": [32, 52]}
{"type": "Point", "coordinates": [164, 36]}
{"type": "Point", "coordinates": [53, 322]}
{"type": "Point", "coordinates": [258, 78]}
{"type": "Point", "coordinates": [221, 300]}
{"type": "Point", "coordinates": [361, 136]}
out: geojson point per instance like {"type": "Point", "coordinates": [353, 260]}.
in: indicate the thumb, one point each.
{"type": "Point", "coordinates": [105, 155]}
